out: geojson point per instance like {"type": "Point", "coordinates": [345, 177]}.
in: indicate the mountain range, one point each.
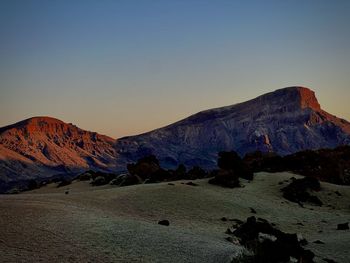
{"type": "Point", "coordinates": [285, 121]}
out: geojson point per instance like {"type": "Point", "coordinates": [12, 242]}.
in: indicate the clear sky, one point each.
{"type": "Point", "coordinates": [125, 67]}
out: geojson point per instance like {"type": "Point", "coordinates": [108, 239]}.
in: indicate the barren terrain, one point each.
{"type": "Point", "coordinates": [119, 224]}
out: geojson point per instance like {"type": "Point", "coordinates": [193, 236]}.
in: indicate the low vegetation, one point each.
{"type": "Point", "coordinates": [329, 165]}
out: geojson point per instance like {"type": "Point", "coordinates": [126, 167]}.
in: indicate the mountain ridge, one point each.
{"type": "Point", "coordinates": [283, 121]}
{"type": "Point", "coordinates": [259, 119]}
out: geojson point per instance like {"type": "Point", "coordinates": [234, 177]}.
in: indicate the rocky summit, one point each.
{"type": "Point", "coordinates": [284, 121]}
{"type": "Point", "coordinates": [42, 146]}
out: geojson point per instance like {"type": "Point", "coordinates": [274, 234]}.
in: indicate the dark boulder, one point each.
{"type": "Point", "coordinates": [344, 226]}
{"type": "Point", "coordinates": [163, 222]}
{"type": "Point", "coordinates": [298, 191]}
{"type": "Point", "coordinates": [270, 244]}
{"type": "Point", "coordinates": [191, 184]}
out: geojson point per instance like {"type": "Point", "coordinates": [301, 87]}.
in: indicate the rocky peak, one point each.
{"type": "Point", "coordinates": [297, 97]}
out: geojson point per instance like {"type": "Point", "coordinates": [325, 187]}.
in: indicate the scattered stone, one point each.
{"type": "Point", "coordinates": [318, 242]}
{"type": "Point", "coordinates": [239, 222]}
{"type": "Point", "coordinates": [270, 244]}
{"type": "Point", "coordinates": [338, 193]}
{"type": "Point", "coordinates": [252, 210]}
{"type": "Point", "coordinates": [192, 184]}
{"type": "Point", "coordinates": [163, 222]}
{"type": "Point", "coordinates": [344, 226]}
{"type": "Point", "coordinates": [329, 260]}
{"type": "Point", "coordinates": [66, 192]}
{"type": "Point", "coordinates": [224, 219]}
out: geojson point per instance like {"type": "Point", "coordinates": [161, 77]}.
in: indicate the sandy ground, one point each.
{"type": "Point", "coordinates": [112, 224]}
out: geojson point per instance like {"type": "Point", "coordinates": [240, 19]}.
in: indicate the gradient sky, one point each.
{"type": "Point", "coordinates": [125, 67]}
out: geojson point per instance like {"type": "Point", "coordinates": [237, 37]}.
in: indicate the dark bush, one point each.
{"type": "Point", "coordinates": [64, 182]}
{"type": "Point", "coordinates": [196, 173]}
{"type": "Point", "coordinates": [225, 178]}
{"type": "Point", "coordinates": [231, 161]}
{"type": "Point", "coordinates": [144, 167]}
{"type": "Point", "coordinates": [85, 176]}
{"type": "Point", "coordinates": [32, 184]}
{"type": "Point", "coordinates": [99, 180]}
{"type": "Point", "coordinates": [330, 165]}
{"type": "Point", "coordinates": [125, 180]}
{"type": "Point", "coordinates": [180, 172]}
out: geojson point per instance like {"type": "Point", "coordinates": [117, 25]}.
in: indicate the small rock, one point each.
{"type": "Point", "coordinates": [229, 231]}
{"type": "Point", "coordinates": [252, 210]}
{"type": "Point", "coordinates": [239, 222]}
{"type": "Point", "coordinates": [66, 192]}
{"type": "Point", "coordinates": [318, 242]}
{"type": "Point", "coordinates": [337, 193]}
{"type": "Point", "coordinates": [224, 219]}
{"type": "Point", "coordinates": [163, 222]}
{"type": "Point", "coordinates": [229, 239]}
{"type": "Point", "coordinates": [329, 260]}
{"type": "Point", "coordinates": [191, 184]}
{"type": "Point", "coordinates": [344, 226]}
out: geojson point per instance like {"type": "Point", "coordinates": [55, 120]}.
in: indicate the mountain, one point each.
{"type": "Point", "coordinates": [284, 121]}
{"type": "Point", "coordinates": [43, 146]}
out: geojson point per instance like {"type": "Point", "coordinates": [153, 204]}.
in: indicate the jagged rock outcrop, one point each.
{"type": "Point", "coordinates": [284, 121]}
{"type": "Point", "coordinates": [43, 146]}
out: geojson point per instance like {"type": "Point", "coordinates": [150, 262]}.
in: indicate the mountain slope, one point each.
{"type": "Point", "coordinates": [45, 146]}
{"type": "Point", "coordinates": [284, 121]}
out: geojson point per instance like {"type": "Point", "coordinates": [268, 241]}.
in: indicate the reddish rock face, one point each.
{"type": "Point", "coordinates": [51, 146]}
{"type": "Point", "coordinates": [308, 99]}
